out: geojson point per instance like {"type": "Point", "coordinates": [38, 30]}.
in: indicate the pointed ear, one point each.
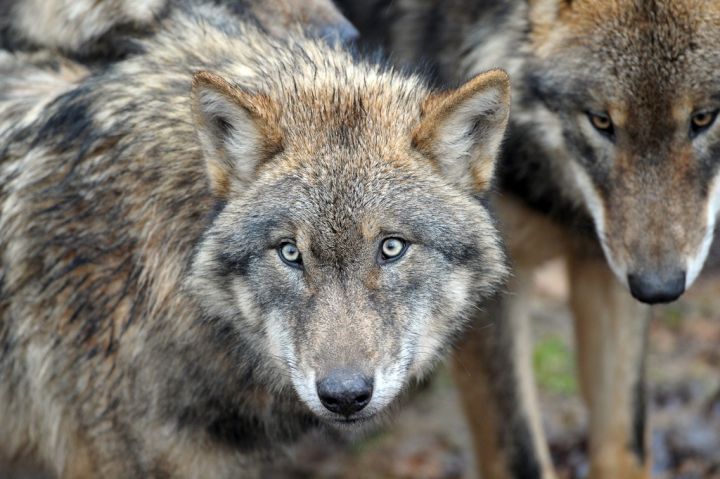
{"type": "Point", "coordinates": [462, 129]}
{"type": "Point", "coordinates": [237, 129]}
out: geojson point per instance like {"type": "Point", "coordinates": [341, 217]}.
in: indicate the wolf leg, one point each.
{"type": "Point", "coordinates": [493, 372]}
{"type": "Point", "coordinates": [611, 333]}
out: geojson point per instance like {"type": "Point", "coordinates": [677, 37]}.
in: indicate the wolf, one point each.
{"type": "Point", "coordinates": [612, 161]}
{"type": "Point", "coordinates": [31, 81]}
{"type": "Point", "coordinates": [97, 32]}
{"type": "Point", "coordinates": [216, 245]}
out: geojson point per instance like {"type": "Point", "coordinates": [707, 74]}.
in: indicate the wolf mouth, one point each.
{"type": "Point", "coordinates": [354, 420]}
{"type": "Point", "coordinates": [355, 423]}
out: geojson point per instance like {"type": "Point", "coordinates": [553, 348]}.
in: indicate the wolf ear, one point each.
{"type": "Point", "coordinates": [461, 129]}
{"type": "Point", "coordinates": [237, 129]}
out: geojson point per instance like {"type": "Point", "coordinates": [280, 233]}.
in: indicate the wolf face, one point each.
{"type": "Point", "coordinates": [635, 98]}
{"type": "Point", "coordinates": [349, 240]}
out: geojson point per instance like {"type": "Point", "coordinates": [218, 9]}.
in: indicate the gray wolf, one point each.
{"type": "Point", "coordinates": [217, 244]}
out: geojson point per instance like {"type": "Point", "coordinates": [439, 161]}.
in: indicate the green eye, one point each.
{"type": "Point", "coordinates": [392, 249]}
{"type": "Point", "coordinates": [290, 254]}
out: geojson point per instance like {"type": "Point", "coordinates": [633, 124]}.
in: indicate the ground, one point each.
{"type": "Point", "coordinates": [429, 438]}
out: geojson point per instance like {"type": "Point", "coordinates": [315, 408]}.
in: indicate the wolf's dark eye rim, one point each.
{"type": "Point", "coordinates": [601, 121]}
{"type": "Point", "coordinates": [702, 120]}
{"type": "Point", "coordinates": [290, 254]}
{"type": "Point", "coordinates": [392, 249]}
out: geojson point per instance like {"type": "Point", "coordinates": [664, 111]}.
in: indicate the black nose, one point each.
{"type": "Point", "coordinates": [657, 288]}
{"type": "Point", "coordinates": [345, 392]}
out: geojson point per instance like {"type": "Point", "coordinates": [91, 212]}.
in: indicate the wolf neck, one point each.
{"type": "Point", "coordinates": [527, 171]}
{"type": "Point", "coordinates": [531, 169]}
{"type": "Point", "coordinates": [232, 397]}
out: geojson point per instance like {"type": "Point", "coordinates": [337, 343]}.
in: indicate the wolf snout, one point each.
{"type": "Point", "coordinates": [653, 288]}
{"type": "Point", "coordinates": [345, 391]}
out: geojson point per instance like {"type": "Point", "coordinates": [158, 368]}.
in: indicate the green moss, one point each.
{"type": "Point", "coordinates": [672, 316]}
{"type": "Point", "coordinates": [554, 366]}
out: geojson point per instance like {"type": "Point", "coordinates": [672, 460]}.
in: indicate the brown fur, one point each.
{"type": "Point", "coordinates": [149, 326]}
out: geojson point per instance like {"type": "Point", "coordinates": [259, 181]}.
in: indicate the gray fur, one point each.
{"type": "Point", "coordinates": [97, 32]}
{"type": "Point", "coordinates": [148, 327]}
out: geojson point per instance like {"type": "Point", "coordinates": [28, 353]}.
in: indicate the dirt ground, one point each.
{"type": "Point", "coordinates": [429, 439]}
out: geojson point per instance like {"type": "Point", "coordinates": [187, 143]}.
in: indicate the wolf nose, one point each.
{"type": "Point", "coordinates": [657, 288]}
{"type": "Point", "coordinates": [345, 392]}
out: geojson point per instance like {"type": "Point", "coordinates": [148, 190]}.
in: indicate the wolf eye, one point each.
{"type": "Point", "coordinates": [290, 254]}
{"type": "Point", "coordinates": [601, 122]}
{"type": "Point", "coordinates": [702, 120]}
{"type": "Point", "coordinates": [392, 249]}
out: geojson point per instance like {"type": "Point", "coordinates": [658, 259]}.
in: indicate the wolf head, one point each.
{"type": "Point", "coordinates": [350, 244]}
{"type": "Point", "coordinates": [634, 89]}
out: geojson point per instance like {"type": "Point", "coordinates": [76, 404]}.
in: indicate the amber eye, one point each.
{"type": "Point", "coordinates": [601, 122]}
{"type": "Point", "coordinates": [392, 249]}
{"type": "Point", "coordinates": [702, 120]}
